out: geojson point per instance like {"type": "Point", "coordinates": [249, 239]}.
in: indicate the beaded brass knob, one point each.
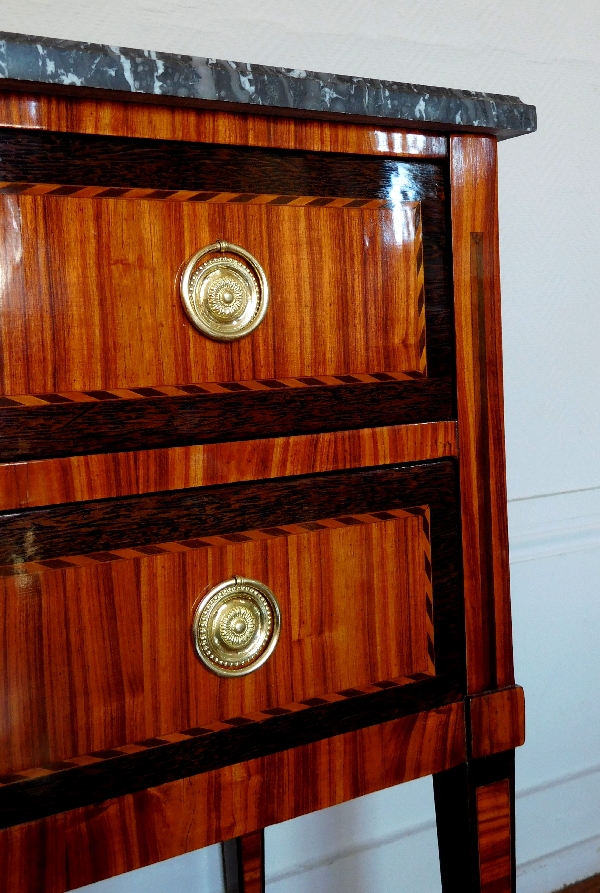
{"type": "Point", "coordinates": [236, 627]}
{"type": "Point", "coordinates": [225, 297]}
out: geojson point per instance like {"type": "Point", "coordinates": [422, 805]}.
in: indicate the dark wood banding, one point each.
{"type": "Point", "coordinates": [75, 160]}
{"type": "Point", "coordinates": [97, 526]}
{"type": "Point", "coordinates": [158, 762]}
{"type": "Point", "coordinates": [110, 425]}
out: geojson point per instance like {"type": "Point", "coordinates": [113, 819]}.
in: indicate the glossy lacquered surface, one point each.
{"type": "Point", "coordinates": [89, 844]}
{"type": "Point", "coordinates": [103, 116]}
{"type": "Point", "coordinates": [348, 453]}
{"type": "Point", "coordinates": [480, 412]}
{"type": "Point", "coordinates": [101, 309]}
{"type": "Point", "coordinates": [101, 476]}
{"type": "Point", "coordinates": [355, 588]}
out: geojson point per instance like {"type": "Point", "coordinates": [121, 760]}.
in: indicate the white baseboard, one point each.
{"type": "Point", "coordinates": [556, 870]}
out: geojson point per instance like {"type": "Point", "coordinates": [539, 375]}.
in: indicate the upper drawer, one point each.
{"type": "Point", "coordinates": [96, 233]}
{"type": "Point", "coordinates": [95, 297]}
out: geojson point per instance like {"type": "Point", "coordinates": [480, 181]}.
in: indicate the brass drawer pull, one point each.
{"type": "Point", "coordinates": [236, 627]}
{"type": "Point", "coordinates": [225, 297]}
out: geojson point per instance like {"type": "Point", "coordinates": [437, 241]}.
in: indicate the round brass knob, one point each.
{"type": "Point", "coordinates": [236, 627]}
{"type": "Point", "coordinates": [225, 297]}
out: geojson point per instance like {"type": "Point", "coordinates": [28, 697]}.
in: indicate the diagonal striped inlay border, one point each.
{"type": "Point", "coordinates": [91, 559]}
{"type": "Point", "coordinates": [213, 728]}
{"type": "Point", "coordinates": [206, 388]}
{"type": "Point", "coordinates": [117, 771]}
{"type": "Point", "coordinates": [183, 195]}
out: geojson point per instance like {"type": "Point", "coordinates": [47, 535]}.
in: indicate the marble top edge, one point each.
{"type": "Point", "coordinates": [73, 64]}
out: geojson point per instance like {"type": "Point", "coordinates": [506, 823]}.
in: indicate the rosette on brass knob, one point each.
{"type": "Point", "coordinates": [236, 627]}
{"type": "Point", "coordinates": [226, 297]}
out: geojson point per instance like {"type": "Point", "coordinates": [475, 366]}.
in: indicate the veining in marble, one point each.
{"type": "Point", "coordinates": [69, 63]}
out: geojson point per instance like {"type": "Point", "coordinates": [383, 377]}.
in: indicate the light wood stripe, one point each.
{"type": "Point", "coordinates": [100, 476]}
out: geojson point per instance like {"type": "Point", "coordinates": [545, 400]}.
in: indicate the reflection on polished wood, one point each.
{"type": "Point", "coordinates": [354, 603]}
{"type": "Point", "coordinates": [480, 412]}
{"type": "Point", "coordinates": [88, 844]}
{"type": "Point", "coordinates": [90, 300]}
{"type": "Point", "coordinates": [161, 122]}
{"type": "Point", "coordinates": [244, 863]}
{"type": "Point", "coordinates": [140, 487]}
{"type": "Point", "coordinates": [494, 834]}
{"type": "Point", "coordinates": [53, 481]}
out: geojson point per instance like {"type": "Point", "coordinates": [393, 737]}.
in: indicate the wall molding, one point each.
{"type": "Point", "coordinates": [554, 870]}
{"type": "Point", "coordinates": [554, 524]}
{"type": "Point", "coordinates": [550, 871]}
{"type": "Point", "coordinates": [351, 851]}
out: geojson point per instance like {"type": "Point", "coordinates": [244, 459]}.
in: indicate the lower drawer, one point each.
{"type": "Point", "coordinates": [99, 667]}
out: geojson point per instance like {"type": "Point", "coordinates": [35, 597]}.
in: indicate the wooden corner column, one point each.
{"type": "Point", "coordinates": [244, 863]}
{"type": "Point", "coordinates": [475, 802]}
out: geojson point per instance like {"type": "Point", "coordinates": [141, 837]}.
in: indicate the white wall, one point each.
{"type": "Point", "coordinates": [547, 52]}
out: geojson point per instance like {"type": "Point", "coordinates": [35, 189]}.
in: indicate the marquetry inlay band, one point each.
{"type": "Point", "coordinates": [208, 388]}
{"type": "Point", "coordinates": [186, 195]}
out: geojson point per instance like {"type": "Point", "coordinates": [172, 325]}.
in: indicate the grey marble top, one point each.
{"type": "Point", "coordinates": [73, 67]}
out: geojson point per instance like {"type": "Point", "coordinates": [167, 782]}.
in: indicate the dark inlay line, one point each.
{"type": "Point", "coordinates": [64, 190]}
{"type": "Point", "coordinates": [54, 398]}
{"type": "Point", "coordinates": [102, 395]}
{"type": "Point", "coordinates": [14, 188]}
{"type": "Point", "coordinates": [234, 386]}
{"type": "Point", "coordinates": [95, 527]}
{"type": "Point", "coordinates": [486, 554]}
{"type": "Point", "coordinates": [80, 160]}
{"type": "Point", "coordinates": [382, 376]}
{"type": "Point", "coordinates": [113, 424]}
{"type": "Point", "coordinates": [147, 392]}
{"type": "Point", "coordinates": [162, 193]}
{"type": "Point", "coordinates": [203, 197]}
{"type": "Point", "coordinates": [285, 200]}
{"type": "Point", "coordinates": [273, 383]}
{"type": "Point", "coordinates": [192, 389]}
{"type": "Point", "coordinates": [242, 199]}
{"type": "Point", "coordinates": [113, 193]}
{"type": "Point", "coordinates": [118, 774]}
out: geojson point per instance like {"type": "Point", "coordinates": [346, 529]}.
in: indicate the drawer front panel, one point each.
{"type": "Point", "coordinates": [354, 602]}
{"type": "Point", "coordinates": [189, 813]}
{"type": "Point", "coordinates": [99, 306]}
{"type": "Point", "coordinates": [100, 652]}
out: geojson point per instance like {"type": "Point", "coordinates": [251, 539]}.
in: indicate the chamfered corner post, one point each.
{"type": "Point", "coordinates": [244, 863]}
{"type": "Point", "coordinates": [475, 810]}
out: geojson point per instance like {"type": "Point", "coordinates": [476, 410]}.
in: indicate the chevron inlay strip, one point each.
{"type": "Point", "coordinates": [226, 387]}
{"type": "Point", "coordinates": [182, 195]}
{"type": "Point", "coordinates": [227, 539]}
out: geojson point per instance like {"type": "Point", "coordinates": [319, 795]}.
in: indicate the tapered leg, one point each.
{"type": "Point", "coordinates": [244, 863]}
{"type": "Point", "coordinates": [475, 809]}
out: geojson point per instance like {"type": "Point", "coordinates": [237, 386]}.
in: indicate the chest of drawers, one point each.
{"type": "Point", "coordinates": [254, 550]}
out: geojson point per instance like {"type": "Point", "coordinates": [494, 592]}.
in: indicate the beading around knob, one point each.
{"type": "Point", "coordinates": [225, 297]}
{"type": "Point", "coordinates": [236, 627]}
